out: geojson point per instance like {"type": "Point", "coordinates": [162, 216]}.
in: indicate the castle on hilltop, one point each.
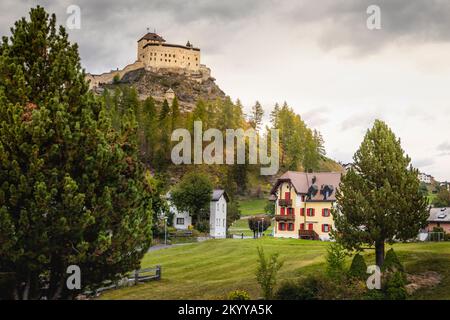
{"type": "Point", "coordinates": [154, 54]}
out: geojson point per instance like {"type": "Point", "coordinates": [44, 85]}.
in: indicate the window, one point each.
{"type": "Point", "coordinates": [281, 226]}
{"type": "Point", "coordinates": [310, 226]}
{"type": "Point", "coordinates": [302, 226]}
{"type": "Point", "coordinates": [310, 212]}
{"type": "Point", "coordinates": [302, 211]}
{"type": "Point", "coordinates": [224, 222]}
{"type": "Point", "coordinates": [180, 220]}
{"type": "Point", "coordinates": [287, 195]}
{"type": "Point", "coordinates": [325, 228]}
{"type": "Point", "coordinates": [326, 212]}
{"type": "Point", "coordinates": [291, 227]}
{"type": "Point", "coordinates": [291, 211]}
{"type": "Point", "coordinates": [282, 211]}
{"type": "Point", "coordinates": [223, 207]}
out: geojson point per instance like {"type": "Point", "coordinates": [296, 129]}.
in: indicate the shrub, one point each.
{"type": "Point", "coordinates": [335, 260]}
{"type": "Point", "coordinates": [395, 286]}
{"type": "Point", "coordinates": [238, 295]}
{"type": "Point", "coordinates": [304, 289]}
{"type": "Point", "coordinates": [7, 282]}
{"type": "Point", "coordinates": [358, 268]}
{"type": "Point", "coordinates": [116, 79]}
{"type": "Point", "coordinates": [391, 262]}
{"type": "Point", "coordinates": [266, 273]}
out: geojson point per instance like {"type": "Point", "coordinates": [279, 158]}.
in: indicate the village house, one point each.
{"type": "Point", "coordinates": [217, 215]}
{"type": "Point", "coordinates": [425, 178]}
{"type": "Point", "coordinates": [439, 217]}
{"type": "Point", "coordinates": [303, 204]}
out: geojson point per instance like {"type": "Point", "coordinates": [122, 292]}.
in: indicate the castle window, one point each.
{"type": "Point", "coordinates": [165, 55]}
{"type": "Point", "coordinates": [175, 61]}
{"type": "Point", "coordinates": [174, 56]}
{"type": "Point", "coordinates": [196, 59]}
{"type": "Point", "coordinates": [169, 60]}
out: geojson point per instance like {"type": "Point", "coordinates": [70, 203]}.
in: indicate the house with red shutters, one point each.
{"type": "Point", "coordinates": [303, 203]}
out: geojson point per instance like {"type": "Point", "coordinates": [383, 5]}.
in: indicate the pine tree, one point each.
{"type": "Point", "coordinates": [256, 116]}
{"type": "Point", "coordinates": [379, 199]}
{"type": "Point", "coordinates": [175, 113]}
{"type": "Point", "coordinates": [72, 188]}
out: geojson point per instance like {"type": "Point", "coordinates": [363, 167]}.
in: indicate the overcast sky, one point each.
{"type": "Point", "coordinates": [318, 55]}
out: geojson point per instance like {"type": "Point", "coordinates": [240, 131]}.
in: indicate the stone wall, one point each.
{"type": "Point", "coordinates": [107, 77]}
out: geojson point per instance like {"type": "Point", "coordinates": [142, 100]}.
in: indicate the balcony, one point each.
{"type": "Point", "coordinates": [308, 234]}
{"type": "Point", "coordinates": [285, 217]}
{"type": "Point", "coordinates": [285, 202]}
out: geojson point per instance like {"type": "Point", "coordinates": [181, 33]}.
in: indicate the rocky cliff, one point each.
{"type": "Point", "coordinates": [188, 88]}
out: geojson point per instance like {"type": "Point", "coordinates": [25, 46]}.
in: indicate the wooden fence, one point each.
{"type": "Point", "coordinates": [133, 278]}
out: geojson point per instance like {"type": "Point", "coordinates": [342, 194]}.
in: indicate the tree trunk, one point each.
{"type": "Point", "coordinates": [379, 253]}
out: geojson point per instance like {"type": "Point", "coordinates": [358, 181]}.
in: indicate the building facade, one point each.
{"type": "Point", "coordinates": [303, 203]}
{"type": "Point", "coordinates": [440, 218]}
{"type": "Point", "coordinates": [217, 215]}
{"type": "Point", "coordinates": [425, 178]}
{"type": "Point", "coordinates": [155, 53]}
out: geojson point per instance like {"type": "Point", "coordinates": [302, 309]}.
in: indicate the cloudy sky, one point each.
{"type": "Point", "coordinates": [318, 55]}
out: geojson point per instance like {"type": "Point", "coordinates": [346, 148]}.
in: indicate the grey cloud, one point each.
{"type": "Point", "coordinates": [444, 146]}
{"type": "Point", "coordinates": [359, 120]}
{"type": "Point", "coordinates": [316, 117]}
{"type": "Point", "coordinates": [423, 162]}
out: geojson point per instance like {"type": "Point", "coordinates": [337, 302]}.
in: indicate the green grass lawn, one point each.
{"type": "Point", "coordinates": [210, 269]}
{"type": "Point", "coordinates": [251, 207]}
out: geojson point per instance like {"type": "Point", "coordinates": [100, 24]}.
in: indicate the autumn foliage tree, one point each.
{"type": "Point", "coordinates": [72, 190]}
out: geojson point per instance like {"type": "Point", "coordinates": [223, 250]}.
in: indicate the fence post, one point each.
{"type": "Point", "coordinates": [136, 277]}
{"type": "Point", "coordinates": [158, 272]}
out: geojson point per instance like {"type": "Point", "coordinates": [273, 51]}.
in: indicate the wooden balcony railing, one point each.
{"type": "Point", "coordinates": [285, 217]}
{"type": "Point", "coordinates": [285, 202]}
{"type": "Point", "coordinates": [308, 234]}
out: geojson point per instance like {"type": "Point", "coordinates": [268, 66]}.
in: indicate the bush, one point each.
{"type": "Point", "coordinates": [395, 286]}
{"type": "Point", "coordinates": [7, 282]}
{"type": "Point", "coordinates": [358, 268]}
{"type": "Point", "coordinates": [266, 273]}
{"type": "Point", "coordinates": [304, 289]}
{"type": "Point", "coordinates": [335, 260]}
{"type": "Point", "coordinates": [238, 295]}
{"type": "Point", "coordinates": [391, 262]}
{"type": "Point", "coordinates": [203, 226]}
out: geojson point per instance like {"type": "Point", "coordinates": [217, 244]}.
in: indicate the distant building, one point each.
{"type": "Point", "coordinates": [445, 185]}
{"type": "Point", "coordinates": [303, 204]}
{"type": "Point", "coordinates": [217, 215]}
{"type": "Point", "coordinates": [439, 217]}
{"type": "Point", "coordinates": [425, 178]}
{"type": "Point", "coordinates": [347, 166]}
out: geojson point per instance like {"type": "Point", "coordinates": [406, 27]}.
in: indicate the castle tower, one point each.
{"type": "Point", "coordinates": [155, 54]}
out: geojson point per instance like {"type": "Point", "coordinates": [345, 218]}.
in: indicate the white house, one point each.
{"type": "Point", "coordinates": [217, 216]}
{"type": "Point", "coordinates": [425, 178]}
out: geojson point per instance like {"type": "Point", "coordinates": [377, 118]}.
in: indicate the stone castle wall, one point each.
{"type": "Point", "coordinates": [168, 56]}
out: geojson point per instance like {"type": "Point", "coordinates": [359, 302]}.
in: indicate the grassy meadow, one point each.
{"type": "Point", "coordinates": [211, 269]}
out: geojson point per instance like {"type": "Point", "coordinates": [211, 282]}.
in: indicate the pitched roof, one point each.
{"type": "Point", "coordinates": [439, 215]}
{"type": "Point", "coordinates": [153, 37]}
{"type": "Point", "coordinates": [217, 193]}
{"type": "Point", "coordinates": [315, 185]}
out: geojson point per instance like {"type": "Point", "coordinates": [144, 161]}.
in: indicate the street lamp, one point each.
{"type": "Point", "coordinates": [165, 230]}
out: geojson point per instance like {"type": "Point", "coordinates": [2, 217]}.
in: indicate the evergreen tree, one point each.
{"type": "Point", "coordinates": [358, 268]}
{"type": "Point", "coordinates": [72, 189]}
{"type": "Point", "coordinates": [274, 116]}
{"type": "Point", "coordinates": [175, 113]}
{"type": "Point", "coordinates": [379, 198]}
{"type": "Point", "coordinates": [256, 116]}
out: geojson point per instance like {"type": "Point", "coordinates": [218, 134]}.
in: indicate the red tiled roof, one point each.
{"type": "Point", "coordinates": [305, 183]}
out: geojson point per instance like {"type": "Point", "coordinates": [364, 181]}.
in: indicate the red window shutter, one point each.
{"type": "Point", "coordinates": [313, 213]}
{"type": "Point", "coordinates": [323, 212]}
{"type": "Point", "coordinates": [293, 211]}
{"type": "Point", "coordinates": [323, 228]}
{"type": "Point", "coordinates": [279, 226]}
{"type": "Point", "coordinates": [310, 226]}
{"type": "Point", "coordinates": [287, 195]}
{"type": "Point", "coordinates": [282, 211]}
{"type": "Point", "coordinates": [302, 226]}
{"type": "Point", "coordinates": [302, 211]}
